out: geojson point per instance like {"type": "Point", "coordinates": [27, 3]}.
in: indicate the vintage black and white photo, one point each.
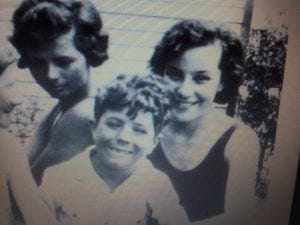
{"type": "Point", "coordinates": [140, 111]}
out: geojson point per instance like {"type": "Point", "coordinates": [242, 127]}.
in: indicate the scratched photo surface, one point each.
{"type": "Point", "coordinates": [164, 177]}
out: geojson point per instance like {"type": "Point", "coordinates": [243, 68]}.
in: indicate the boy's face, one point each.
{"type": "Point", "coordinates": [59, 67]}
{"type": "Point", "coordinates": [122, 141]}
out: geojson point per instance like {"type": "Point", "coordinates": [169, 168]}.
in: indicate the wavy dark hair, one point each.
{"type": "Point", "coordinates": [188, 34]}
{"type": "Point", "coordinates": [139, 93]}
{"type": "Point", "coordinates": [39, 21]}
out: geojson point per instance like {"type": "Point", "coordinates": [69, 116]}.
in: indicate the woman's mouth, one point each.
{"type": "Point", "coordinates": [189, 100]}
{"type": "Point", "coordinates": [186, 102]}
{"type": "Point", "coordinates": [120, 150]}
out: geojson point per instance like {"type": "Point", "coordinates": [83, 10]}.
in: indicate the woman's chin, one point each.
{"type": "Point", "coordinates": [188, 115]}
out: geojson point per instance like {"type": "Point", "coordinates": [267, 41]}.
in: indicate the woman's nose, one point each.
{"type": "Point", "coordinates": [53, 72]}
{"type": "Point", "coordinates": [185, 90]}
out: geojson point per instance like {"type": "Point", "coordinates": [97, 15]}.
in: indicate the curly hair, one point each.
{"type": "Point", "coordinates": [188, 34]}
{"type": "Point", "coordinates": [139, 93]}
{"type": "Point", "coordinates": [39, 21]}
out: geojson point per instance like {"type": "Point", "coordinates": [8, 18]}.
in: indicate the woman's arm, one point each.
{"type": "Point", "coordinates": [242, 153]}
{"type": "Point", "coordinates": [34, 209]}
{"type": "Point", "coordinates": [241, 204]}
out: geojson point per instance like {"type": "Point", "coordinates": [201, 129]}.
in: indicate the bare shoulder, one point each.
{"type": "Point", "coordinates": [243, 143]}
{"type": "Point", "coordinates": [242, 153]}
{"type": "Point", "coordinates": [84, 109]}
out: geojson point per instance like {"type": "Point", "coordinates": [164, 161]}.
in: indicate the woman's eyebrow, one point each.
{"type": "Point", "coordinates": [64, 58]}
{"type": "Point", "coordinates": [173, 67]}
{"type": "Point", "coordinates": [201, 74]}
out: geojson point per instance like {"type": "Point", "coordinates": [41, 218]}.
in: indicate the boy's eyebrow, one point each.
{"type": "Point", "coordinates": [139, 124]}
{"type": "Point", "coordinates": [115, 118]}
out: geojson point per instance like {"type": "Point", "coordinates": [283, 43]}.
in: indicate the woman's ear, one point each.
{"type": "Point", "coordinates": [157, 139]}
{"type": "Point", "coordinates": [220, 87]}
{"type": "Point", "coordinates": [92, 124]}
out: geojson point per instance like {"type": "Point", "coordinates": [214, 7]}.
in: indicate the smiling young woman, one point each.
{"type": "Point", "coordinates": [58, 41]}
{"type": "Point", "coordinates": [210, 158]}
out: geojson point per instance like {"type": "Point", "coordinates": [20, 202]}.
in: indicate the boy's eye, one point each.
{"type": "Point", "coordinates": [113, 124]}
{"type": "Point", "coordinates": [139, 130]}
{"type": "Point", "coordinates": [63, 61]}
{"type": "Point", "coordinates": [174, 74]}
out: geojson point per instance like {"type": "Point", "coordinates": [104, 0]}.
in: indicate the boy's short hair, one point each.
{"type": "Point", "coordinates": [39, 21]}
{"type": "Point", "coordinates": [139, 93]}
{"type": "Point", "coordinates": [189, 34]}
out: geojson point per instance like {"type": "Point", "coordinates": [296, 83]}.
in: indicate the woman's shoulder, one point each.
{"type": "Point", "coordinates": [77, 163]}
{"type": "Point", "coordinates": [244, 132]}
{"type": "Point", "coordinates": [243, 141]}
{"type": "Point", "coordinates": [84, 109]}
{"type": "Point", "coordinates": [75, 171]}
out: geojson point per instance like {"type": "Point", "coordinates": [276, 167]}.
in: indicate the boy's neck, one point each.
{"type": "Point", "coordinates": [111, 177]}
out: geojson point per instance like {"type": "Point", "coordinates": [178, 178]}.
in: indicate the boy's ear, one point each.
{"type": "Point", "coordinates": [93, 126]}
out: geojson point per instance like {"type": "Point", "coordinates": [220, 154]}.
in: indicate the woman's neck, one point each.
{"type": "Point", "coordinates": [67, 103]}
{"type": "Point", "coordinates": [186, 144]}
{"type": "Point", "coordinates": [186, 128]}
{"type": "Point", "coordinates": [111, 177]}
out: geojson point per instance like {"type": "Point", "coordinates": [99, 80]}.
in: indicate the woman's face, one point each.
{"type": "Point", "coordinates": [195, 79]}
{"type": "Point", "coordinates": [122, 141]}
{"type": "Point", "coordinates": [8, 100]}
{"type": "Point", "coordinates": [59, 67]}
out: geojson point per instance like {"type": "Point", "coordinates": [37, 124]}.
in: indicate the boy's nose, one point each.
{"type": "Point", "coordinates": [124, 136]}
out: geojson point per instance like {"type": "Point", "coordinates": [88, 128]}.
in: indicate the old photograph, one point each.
{"type": "Point", "coordinates": [154, 112]}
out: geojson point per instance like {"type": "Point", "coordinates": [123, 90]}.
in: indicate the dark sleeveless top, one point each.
{"type": "Point", "coordinates": [201, 191]}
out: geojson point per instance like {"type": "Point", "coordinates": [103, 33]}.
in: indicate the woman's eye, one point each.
{"type": "Point", "coordinates": [200, 78]}
{"type": "Point", "coordinates": [174, 74]}
{"type": "Point", "coordinates": [63, 61]}
{"type": "Point", "coordinates": [199, 81]}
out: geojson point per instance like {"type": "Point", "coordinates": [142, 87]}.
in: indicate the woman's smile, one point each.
{"type": "Point", "coordinates": [121, 150]}
{"type": "Point", "coordinates": [194, 78]}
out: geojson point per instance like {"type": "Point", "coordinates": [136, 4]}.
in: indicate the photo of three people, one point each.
{"type": "Point", "coordinates": [167, 145]}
